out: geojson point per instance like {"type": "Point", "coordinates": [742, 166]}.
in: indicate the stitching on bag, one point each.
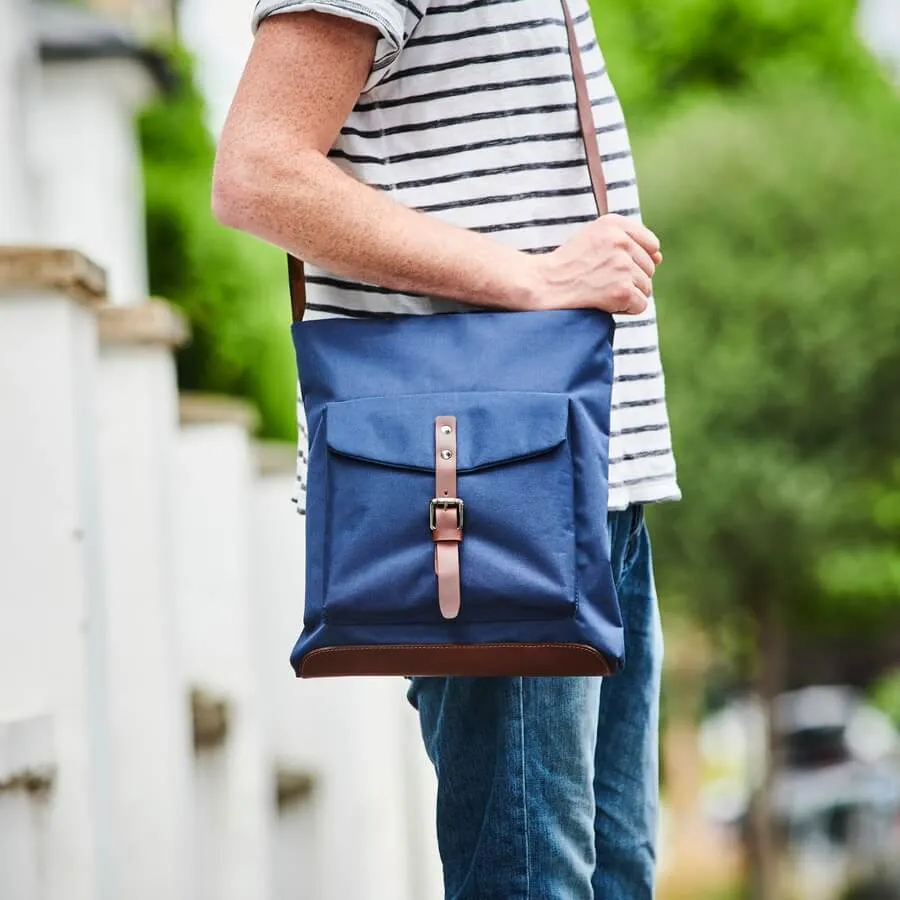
{"type": "Point", "coordinates": [340, 621]}
{"type": "Point", "coordinates": [381, 648]}
{"type": "Point", "coordinates": [570, 444]}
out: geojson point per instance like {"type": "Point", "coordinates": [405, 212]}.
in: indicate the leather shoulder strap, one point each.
{"type": "Point", "coordinates": [296, 278]}
{"type": "Point", "coordinates": [586, 116]}
{"type": "Point", "coordinates": [297, 285]}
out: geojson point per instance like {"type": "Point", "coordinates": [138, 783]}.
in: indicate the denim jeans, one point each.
{"type": "Point", "coordinates": [548, 787]}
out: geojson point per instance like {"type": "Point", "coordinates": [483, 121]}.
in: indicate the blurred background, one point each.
{"type": "Point", "coordinates": [153, 742]}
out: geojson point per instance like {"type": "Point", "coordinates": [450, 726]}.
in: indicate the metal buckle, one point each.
{"type": "Point", "coordinates": [445, 503]}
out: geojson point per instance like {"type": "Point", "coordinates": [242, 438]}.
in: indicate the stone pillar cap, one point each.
{"type": "Point", "coordinates": [276, 457]}
{"type": "Point", "coordinates": [154, 323]}
{"type": "Point", "coordinates": [42, 269]}
{"type": "Point", "coordinates": [217, 409]}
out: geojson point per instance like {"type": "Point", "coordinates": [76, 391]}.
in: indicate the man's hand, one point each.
{"type": "Point", "coordinates": [608, 265]}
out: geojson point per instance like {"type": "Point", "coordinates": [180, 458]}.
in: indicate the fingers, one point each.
{"type": "Point", "coordinates": [625, 298]}
{"type": "Point", "coordinates": [642, 282]}
{"type": "Point", "coordinates": [636, 265]}
{"type": "Point", "coordinates": [644, 236]}
{"type": "Point", "coordinates": [643, 259]}
{"type": "Point", "coordinates": [645, 253]}
{"type": "Point", "coordinates": [608, 265]}
{"type": "Point", "coordinates": [634, 302]}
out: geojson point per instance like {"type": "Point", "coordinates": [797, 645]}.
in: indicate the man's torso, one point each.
{"type": "Point", "coordinates": [475, 122]}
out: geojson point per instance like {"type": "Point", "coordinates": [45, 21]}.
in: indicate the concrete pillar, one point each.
{"type": "Point", "coordinates": [217, 32]}
{"type": "Point", "coordinates": [27, 771]}
{"type": "Point", "coordinates": [373, 769]}
{"type": "Point", "coordinates": [53, 643]}
{"type": "Point", "coordinates": [369, 787]}
{"type": "Point", "coordinates": [426, 875]}
{"type": "Point", "coordinates": [137, 442]}
{"type": "Point", "coordinates": [92, 195]}
{"type": "Point", "coordinates": [371, 801]}
{"type": "Point", "coordinates": [217, 603]}
{"type": "Point", "coordinates": [18, 73]}
{"type": "Point", "coordinates": [302, 861]}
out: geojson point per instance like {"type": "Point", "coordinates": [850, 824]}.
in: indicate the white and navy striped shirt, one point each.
{"type": "Point", "coordinates": [469, 115]}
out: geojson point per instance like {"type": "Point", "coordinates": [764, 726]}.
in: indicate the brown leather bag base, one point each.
{"type": "Point", "coordinates": [489, 660]}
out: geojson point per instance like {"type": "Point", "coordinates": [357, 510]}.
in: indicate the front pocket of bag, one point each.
{"type": "Point", "coordinates": [515, 477]}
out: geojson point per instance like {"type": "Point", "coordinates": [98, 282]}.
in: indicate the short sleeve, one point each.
{"type": "Point", "coordinates": [395, 20]}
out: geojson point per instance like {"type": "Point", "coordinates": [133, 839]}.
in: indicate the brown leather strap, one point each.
{"type": "Point", "coordinates": [296, 277]}
{"type": "Point", "coordinates": [586, 116]}
{"type": "Point", "coordinates": [297, 284]}
{"type": "Point", "coordinates": [446, 517]}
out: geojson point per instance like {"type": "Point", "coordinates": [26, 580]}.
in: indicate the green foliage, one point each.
{"type": "Point", "coordinates": [733, 893]}
{"type": "Point", "coordinates": [232, 288]}
{"type": "Point", "coordinates": [660, 53]}
{"type": "Point", "coordinates": [779, 317]}
{"type": "Point", "coordinates": [885, 695]}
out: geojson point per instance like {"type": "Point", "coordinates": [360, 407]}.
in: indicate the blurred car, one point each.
{"type": "Point", "coordinates": [836, 794]}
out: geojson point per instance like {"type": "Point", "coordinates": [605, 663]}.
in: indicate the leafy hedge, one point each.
{"type": "Point", "coordinates": [232, 287]}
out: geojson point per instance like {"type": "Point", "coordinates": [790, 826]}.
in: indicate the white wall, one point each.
{"type": "Point", "coordinates": [233, 791]}
{"type": "Point", "coordinates": [91, 190]}
{"type": "Point", "coordinates": [152, 753]}
{"type": "Point", "coordinates": [218, 33]}
{"type": "Point", "coordinates": [26, 746]}
{"type": "Point", "coordinates": [299, 862]}
{"type": "Point", "coordinates": [53, 643]}
{"type": "Point", "coordinates": [97, 571]}
{"type": "Point", "coordinates": [18, 73]}
{"type": "Point", "coordinates": [879, 23]}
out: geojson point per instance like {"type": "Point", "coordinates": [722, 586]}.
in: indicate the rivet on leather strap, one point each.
{"type": "Point", "coordinates": [445, 517]}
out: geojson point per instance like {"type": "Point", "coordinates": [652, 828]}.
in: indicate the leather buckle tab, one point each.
{"type": "Point", "coordinates": [445, 503]}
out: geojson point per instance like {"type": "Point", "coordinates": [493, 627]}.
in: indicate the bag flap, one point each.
{"type": "Point", "coordinates": [492, 427]}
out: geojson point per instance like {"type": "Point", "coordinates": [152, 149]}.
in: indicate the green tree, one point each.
{"type": "Point", "coordinates": [232, 287]}
{"type": "Point", "coordinates": [780, 322]}
{"type": "Point", "coordinates": [661, 54]}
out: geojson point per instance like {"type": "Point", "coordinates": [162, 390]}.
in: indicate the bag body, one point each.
{"type": "Point", "coordinates": [457, 485]}
{"type": "Point", "coordinates": [530, 394]}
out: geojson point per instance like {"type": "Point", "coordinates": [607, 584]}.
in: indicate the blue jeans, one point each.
{"type": "Point", "coordinates": [548, 787]}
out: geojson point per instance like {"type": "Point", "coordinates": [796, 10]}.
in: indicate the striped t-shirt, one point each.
{"type": "Point", "coordinates": [469, 115]}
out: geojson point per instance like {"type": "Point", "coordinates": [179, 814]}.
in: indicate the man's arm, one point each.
{"type": "Point", "coordinates": [273, 179]}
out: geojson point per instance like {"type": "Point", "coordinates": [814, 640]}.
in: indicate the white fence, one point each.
{"type": "Point", "coordinates": [153, 740]}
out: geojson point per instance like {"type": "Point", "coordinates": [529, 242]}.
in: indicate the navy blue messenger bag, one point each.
{"type": "Point", "coordinates": [457, 491]}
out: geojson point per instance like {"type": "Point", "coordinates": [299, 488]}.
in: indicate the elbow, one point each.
{"type": "Point", "coordinates": [235, 191]}
{"type": "Point", "coordinates": [252, 189]}
{"type": "Point", "coordinates": [242, 183]}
